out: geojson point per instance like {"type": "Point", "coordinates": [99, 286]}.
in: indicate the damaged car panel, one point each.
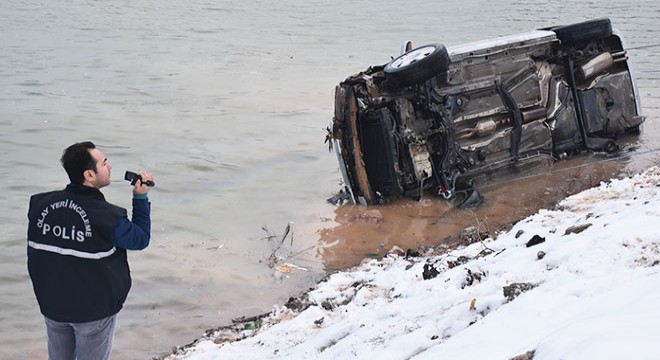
{"type": "Point", "coordinates": [442, 119]}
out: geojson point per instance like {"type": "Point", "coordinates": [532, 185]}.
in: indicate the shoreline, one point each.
{"type": "Point", "coordinates": [436, 262]}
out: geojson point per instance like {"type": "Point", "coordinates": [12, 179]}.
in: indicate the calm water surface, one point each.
{"type": "Point", "coordinates": [225, 102]}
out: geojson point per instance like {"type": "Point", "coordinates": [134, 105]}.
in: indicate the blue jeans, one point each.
{"type": "Point", "coordinates": [82, 341]}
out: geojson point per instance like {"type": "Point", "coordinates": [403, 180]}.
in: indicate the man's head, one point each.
{"type": "Point", "coordinates": [86, 165]}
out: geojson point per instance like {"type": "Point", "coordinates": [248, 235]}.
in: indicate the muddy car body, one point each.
{"type": "Point", "coordinates": [444, 119]}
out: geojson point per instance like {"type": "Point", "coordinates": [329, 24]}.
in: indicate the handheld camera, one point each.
{"type": "Point", "coordinates": [134, 177]}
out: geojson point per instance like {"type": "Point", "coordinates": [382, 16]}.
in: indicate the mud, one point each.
{"type": "Point", "coordinates": [433, 222]}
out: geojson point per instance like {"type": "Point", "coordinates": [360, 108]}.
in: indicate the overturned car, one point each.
{"type": "Point", "coordinates": [444, 119]}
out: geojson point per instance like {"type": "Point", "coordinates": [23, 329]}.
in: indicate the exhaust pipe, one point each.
{"type": "Point", "coordinates": [596, 65]}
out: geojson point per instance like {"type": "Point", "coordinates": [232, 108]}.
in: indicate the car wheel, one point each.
{"type": "Point", "coordinates": [584, 31]}
{"type": "Point", "coordinates": [417, 65]}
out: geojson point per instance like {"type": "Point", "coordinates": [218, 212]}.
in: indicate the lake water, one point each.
{"type": "Point", "coordinates": [226, 103]}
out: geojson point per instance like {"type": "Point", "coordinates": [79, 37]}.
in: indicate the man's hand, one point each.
{"type": "Point", "coordinates": [140, 187]}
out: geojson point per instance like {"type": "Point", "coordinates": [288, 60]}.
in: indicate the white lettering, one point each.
{"type": "Point", "coordinates": [44, 213]}
{"type": "Point", "coordinates": [63, 232]}
{"type": "Point", "coordinates": [59, 204]}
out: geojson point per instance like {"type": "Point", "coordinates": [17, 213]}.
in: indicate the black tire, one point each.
{"type": "Point", "coordinates": [584, 32]}
{"type": "Point", "coordinates": [417, 65]}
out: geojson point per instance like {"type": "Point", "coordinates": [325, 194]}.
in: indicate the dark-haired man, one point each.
{"type": "Point", "coordinates": [77, 244]}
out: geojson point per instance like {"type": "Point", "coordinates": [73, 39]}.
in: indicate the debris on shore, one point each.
{"type": "Point", "coordinates": [494, 298]}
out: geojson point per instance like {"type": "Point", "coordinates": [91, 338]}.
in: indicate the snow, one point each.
{"type": "Point", "coordinates": [595, 286]}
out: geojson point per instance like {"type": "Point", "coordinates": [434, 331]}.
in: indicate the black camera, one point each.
{"type": "Point", "coordinates": [134, 177]}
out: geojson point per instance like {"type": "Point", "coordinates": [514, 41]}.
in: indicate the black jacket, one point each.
{"type": "Point", "coordinates": [77, 273]}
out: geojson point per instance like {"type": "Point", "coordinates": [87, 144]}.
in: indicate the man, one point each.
{"type": "Point", "coordinates": [77, 260]}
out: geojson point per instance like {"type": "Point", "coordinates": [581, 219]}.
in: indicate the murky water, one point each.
{"type": "Point", "coordinates": [225, 102]}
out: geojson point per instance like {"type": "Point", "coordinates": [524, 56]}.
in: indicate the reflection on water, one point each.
{"type": "Point", "coordinates": [226, 102]}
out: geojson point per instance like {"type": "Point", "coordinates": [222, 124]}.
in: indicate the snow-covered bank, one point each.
{"type": "Point", "coordinates": [588, 290]}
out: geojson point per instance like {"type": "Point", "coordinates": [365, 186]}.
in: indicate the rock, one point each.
{"type": "Point", "coordinates": [526, 356]}
{"type": "Point", "coordinates": [514, 290]}
{"type": "Point", "coordinates": [327, 305]}
{"type": "Point", "coordinates": [318, 322]}
{"type": "Point", "coordinates": [535, 240]}
{"type": "Point", "coordinates": [471, 277]}
{"type": "Point", "coordinates": [576, 229]}
{"type": "Point", "coordinates": [459, 261]}
{"type": "Point", "coordinates": [540, 255]}
{"type": "Point", "coordinates": [429, 272]}
{"type": "Point", "coordinates": [412, 253]}
{"type": "Point", "coordinates": [297, 304]}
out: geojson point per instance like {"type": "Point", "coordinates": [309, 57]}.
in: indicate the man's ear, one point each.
{"type": "Point", "coordinates": [89, 175]}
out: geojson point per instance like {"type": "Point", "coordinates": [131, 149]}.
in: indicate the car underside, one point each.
{"type": "Point", "coordinates": [443, 120]}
